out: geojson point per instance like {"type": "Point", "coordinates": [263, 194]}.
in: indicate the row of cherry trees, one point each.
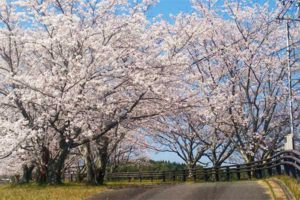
{"type": "Point", "coordinates": [235, 84]}
{"type": "Point", "coordinates": [95, 82]}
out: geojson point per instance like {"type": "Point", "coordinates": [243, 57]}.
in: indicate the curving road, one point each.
{"type": "Point", "coordinates": [199, 191]}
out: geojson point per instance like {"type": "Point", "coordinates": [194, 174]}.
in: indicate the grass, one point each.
{"type": "Point", "coordinates": [292, 185]}
{"type": "Point", "coordinates": [68, 191]}
{"type": "Point", "coordinates": [36, 192]}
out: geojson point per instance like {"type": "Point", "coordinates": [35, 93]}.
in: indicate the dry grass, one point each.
{"type": "Point", "coordinates": [292, 185]}
{"type": "Point", "coordinates": [68, 191]}
{"type": "Point", "coordinates": [35, 192]}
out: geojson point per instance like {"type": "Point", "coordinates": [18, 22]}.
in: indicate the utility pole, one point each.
{"type": "Point", "coordinates": [290, 138]}
{"type": "Point", "coordinates": [285, 15]}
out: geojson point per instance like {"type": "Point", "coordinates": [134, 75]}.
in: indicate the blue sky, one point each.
{"type": "Point", "coordinates": [173, 7]}
{"type": "Point", "coordinates": [166, 156]}
{"type": "Point", "coordinates": [167, 7]}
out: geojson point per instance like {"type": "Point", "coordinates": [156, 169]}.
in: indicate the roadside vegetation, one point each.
{"type": "Point", "coordinates": [292, 184]}
{"type": "Point", "coordinates": [38, 192]}
{"type": "Point", "coordinates": [76, 191]}
{"type": "Point", "coordinates": [67, 191]}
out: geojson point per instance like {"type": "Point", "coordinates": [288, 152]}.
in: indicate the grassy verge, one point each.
{"type": "Point", "coordinates": [36, 192]}
{"type": "Point", "coordinates": [292, 185]}
{"type": "Point", "coordinates": [68, 191]}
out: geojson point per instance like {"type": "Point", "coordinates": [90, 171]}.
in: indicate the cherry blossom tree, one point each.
{"type": "Point", "coordinates": [246, 77]}
{"type": "Point", "coordinates": [179, 134]}
{"type": "Point", "coordinates": [109, 149]}
{"type": "Point", "coordinates": [71, 72]}
{"type": "Point", "coordinates": [96, 76]}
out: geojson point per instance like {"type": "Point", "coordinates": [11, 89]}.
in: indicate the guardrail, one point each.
{"type": "Point", "coordinates": [286, 162]}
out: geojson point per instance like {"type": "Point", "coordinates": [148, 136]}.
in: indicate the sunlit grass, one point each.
{"type": "Point", "coordinates": [36, 192]}
{"type": "Point", "coordinates": [68, 191]}
{"type": "Point", "coordinates": [292, 184]}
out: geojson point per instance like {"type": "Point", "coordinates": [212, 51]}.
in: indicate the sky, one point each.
{"type": "Point", "coordinates": [167, 7]}
{"type": "Point", "coordinates": [173, 7]}
{"type": "Point", "coordinates": [165, 156]}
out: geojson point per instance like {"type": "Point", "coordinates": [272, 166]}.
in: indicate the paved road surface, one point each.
{"type": "Point", "coordinates": [201, 191]}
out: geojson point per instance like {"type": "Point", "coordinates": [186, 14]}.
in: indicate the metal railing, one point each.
{"type": "Point", "coordinates": [285, 162]}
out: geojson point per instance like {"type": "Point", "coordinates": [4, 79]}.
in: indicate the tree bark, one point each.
{"type": "Point", "coordinates": [104, 157]}
{"type": "Point", "coordinates": [26, 173]}
{"type": "Point", "coordinates": [90, 165]}
{"type": "Point", "coordinates": [51, 169]}
{"type": "Point", "coordinates": [191, 166]}
{"type": "Point", "coordinates": [55, 168]}
{"type": "Point", "coordinates": [96, 172]}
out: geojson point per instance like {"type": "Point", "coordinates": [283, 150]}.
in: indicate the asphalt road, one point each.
{"type": "Point", "coordinates": [200, 191]}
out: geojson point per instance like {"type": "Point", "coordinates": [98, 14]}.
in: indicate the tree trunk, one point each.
{"type": "Point", "coordinates": [51, 169]}
{"type": "Point", "coordinates": [102, 169]}
{"type": "Point", "coordinates": [55, 168]}
{"type": "Point", "coordinates": [216, 171]}
{"type": "Point", "coordinates": [104, 157]}
{"type": "Point", "coordinates": [90, 168]}
{"type": "Point", "coordinates": [41, 175]}
{"type": "Point", "coordinates": [41, 172]}
{"type": "Point", "coordinates": [250, 159]}
{"type": "Point", "coordinates": [101, 175]}
{"type": "Point", "coordinates": [191, 166]}
{"type": "Point", "coordinates": [96, 172]}
{"type": "Point", "coordinates": [26, 173]}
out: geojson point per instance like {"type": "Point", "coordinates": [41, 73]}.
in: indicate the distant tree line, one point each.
{"type": "Point", "coordinates": [150, 166]}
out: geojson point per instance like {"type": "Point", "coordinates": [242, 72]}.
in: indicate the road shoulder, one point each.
{"type": "Point", "coordinates": [279, 190]}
